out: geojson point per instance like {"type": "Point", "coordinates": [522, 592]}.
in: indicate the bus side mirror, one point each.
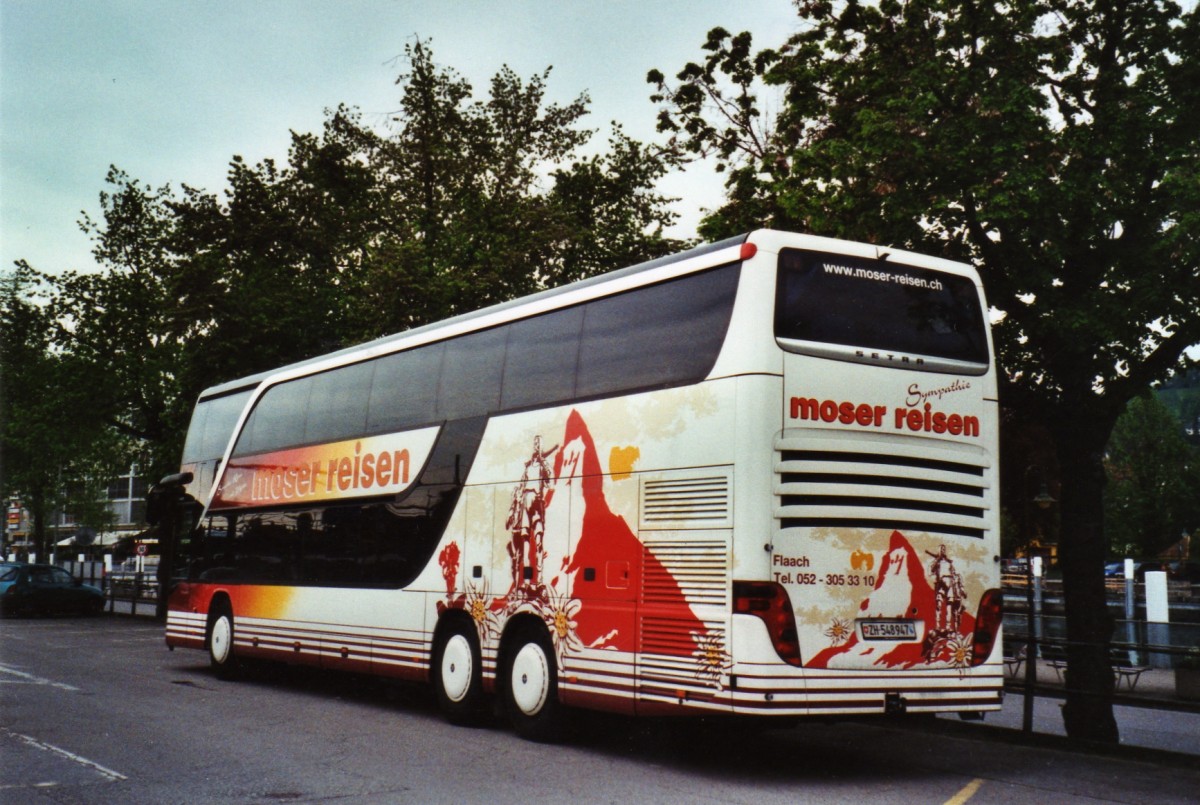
{"type": "Point", "coordinates": [178, 479]}
{"type": "Point", "coordinates": [162, 493]}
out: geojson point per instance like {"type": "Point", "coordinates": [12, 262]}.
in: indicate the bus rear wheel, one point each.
{"type": "Point", "coordinates": [531, 686]}
{"type": "Point", "coordinates": [220, 643]}
{"type": "Point", "coordinates": [457, 672]}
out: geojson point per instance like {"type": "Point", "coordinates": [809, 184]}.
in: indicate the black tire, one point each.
{"type": "Point", "coordinates": [531, 685]}
{"type": "Point", "coordinates": [219, 640]}
{"type": "Point", "coordinates": [457, 673]}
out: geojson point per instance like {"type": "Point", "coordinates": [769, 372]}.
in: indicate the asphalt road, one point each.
{"type": "Point", "coordinates": [98, 711]}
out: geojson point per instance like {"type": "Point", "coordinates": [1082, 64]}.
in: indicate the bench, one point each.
{"type": "Point", "coordinates": [1124, 669]}
{"type": "Point", "coordinates": [1013, 662]}
{"type": "Point", "coordinates": [1056, 657]}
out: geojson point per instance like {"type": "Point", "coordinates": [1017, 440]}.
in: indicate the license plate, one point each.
{"type": "Point", "coordinates": [888, 630]}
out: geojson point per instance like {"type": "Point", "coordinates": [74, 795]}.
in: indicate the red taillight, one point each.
{"type": "Point", "coordinates": [748, 251]}
{"type": "Point", "coordinates": [769, 602]}
{"type": "Point", "coordinates": [987, 625]}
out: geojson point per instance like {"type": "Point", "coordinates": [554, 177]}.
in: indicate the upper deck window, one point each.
{"type": "Point", "coordinates": [839, 306]}
{"type": "Point", "coordinates": [212, 425]}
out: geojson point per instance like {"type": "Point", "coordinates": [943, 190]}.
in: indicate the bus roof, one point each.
{"type": "Point", "coordinates": [251, 381]}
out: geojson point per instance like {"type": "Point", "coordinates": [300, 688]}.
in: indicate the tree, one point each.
{"type": "Point", "coordinates": [51, 430]}
{"type": "Point", "coordinates": [272, 272]}
{"type": "Point", "coordinates": [461, 203]}
{"type": "Point", "coordinates": [1153, 492]}
{"type": "Point", "coordinates": [471, 219]}
{"type": "Point", "coordinates": [1054, 144]}
{"type": "Point", "coordinates": [1181, 394]}
{"type": "Point", "coordinates": [120, 327]}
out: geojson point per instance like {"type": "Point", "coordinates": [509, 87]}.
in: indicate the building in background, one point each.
{"type": "Point", "coordinates": [125, 499]}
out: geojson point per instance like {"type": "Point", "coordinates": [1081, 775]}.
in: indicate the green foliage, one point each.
{"type": "Point", "coordinates": [51, 427]}
{"type": "Point", "coordinates": [1055, 144]}
{"type": "Point", "coordinates": [270, 274]}
{"type": "Point", "coordinates": [460, 203]}
{"type": "Point", "coordinates": [1181, 394]}
{"type": "Point", "coordinates": [470, 220]}
{"type": "Point", "coordinates": [1153, 493]}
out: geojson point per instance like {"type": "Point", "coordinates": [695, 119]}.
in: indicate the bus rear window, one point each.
{"type": "Point", "coordinates": [836, 306]}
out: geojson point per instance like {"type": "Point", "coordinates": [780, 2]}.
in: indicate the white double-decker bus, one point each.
{"type": "Point", "coordinates": [756, 478]}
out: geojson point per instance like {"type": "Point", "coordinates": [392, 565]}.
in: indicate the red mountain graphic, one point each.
{"type": "Point", "coordinates": [606, 538]}
{"type": "Point", "coordinates": [903, 592]}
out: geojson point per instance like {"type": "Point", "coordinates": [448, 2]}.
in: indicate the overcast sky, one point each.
{"type": "Point", "coordinates": [170, 90]}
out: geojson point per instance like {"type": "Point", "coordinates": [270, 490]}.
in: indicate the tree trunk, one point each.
{"type": "Point", "coordinates": [1088, 712]}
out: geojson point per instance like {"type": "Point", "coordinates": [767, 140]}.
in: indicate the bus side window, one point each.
{"type": "Point", "coordinates": [660, 336]}
{"type": "Point", "coordinates": [471, 370]}
{"type": "Point", "coordinates": [214, 556]}
{"type": "Point", "coordinates": [337, 407]}
{"type": "Point", "coordinates": [404, 389]}
{"type": "Point", "coordinates": [541, 359]}
{"type": "Point", "coordinates": [278, 418]}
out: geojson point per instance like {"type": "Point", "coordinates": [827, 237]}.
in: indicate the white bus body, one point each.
{"type": "Point", "coordinates": [759, 478]}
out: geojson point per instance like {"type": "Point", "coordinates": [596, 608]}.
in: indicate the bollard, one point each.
{"type": "Point", "coordinates": [1158, 618]}
{"type": "Point", "coordinates": [1037, 598]}
{"type": "Point", "coordinates": [1131, 612]}
{"type": "Point", "coordinates": [1033, 568]}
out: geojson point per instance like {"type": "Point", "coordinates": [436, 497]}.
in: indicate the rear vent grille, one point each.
{"type": "Point", "coordinates": [686, 502]}
{"type": "Point", "coordinates": [827, 482]}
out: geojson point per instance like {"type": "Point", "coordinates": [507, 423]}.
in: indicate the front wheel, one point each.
{"type": "Point", "coordinates": [531, 686]}
{"type": "Point", "coordinates": [220, 645]}
{"type": "Point", "coordinates": [458, 674]}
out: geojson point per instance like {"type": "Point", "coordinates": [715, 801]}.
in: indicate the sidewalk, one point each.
{"type": "Point", "coordinates": [1150, 716]}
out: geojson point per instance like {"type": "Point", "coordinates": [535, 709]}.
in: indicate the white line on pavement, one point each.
{"type": "Point", "coordinates": [36, 680]}
{"type": "Point", "coordinates": [103, 771]}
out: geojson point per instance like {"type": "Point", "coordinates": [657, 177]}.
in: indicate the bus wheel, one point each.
{"type": "Point", "coordinates": [220, 642]}
{"type": "Point", "coordinates": [531, 686]}
{"type": "Point", "coordinates": [457, 672]}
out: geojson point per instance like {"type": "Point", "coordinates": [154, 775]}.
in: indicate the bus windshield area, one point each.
{"type": "Point", "coordinates": [880, 306]}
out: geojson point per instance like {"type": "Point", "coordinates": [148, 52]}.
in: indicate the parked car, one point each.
{"type": "Point", "coordinates": [1014, 566]}
{"type": "Point", "coordinates": [30, 589]}
{"type": "Point", "coordinates": [1184, 571]}
{"type": "Point", "coordinates": [1140, 568]}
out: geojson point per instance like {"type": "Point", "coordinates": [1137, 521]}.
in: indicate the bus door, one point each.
{"type": "Point", "coordinates": [604, 576]}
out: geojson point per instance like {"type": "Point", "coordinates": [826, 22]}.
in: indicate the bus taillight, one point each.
{"type": "Point", "coordinates": [769, 602]}
{"type": "Point", "coordinates": [987, 625]}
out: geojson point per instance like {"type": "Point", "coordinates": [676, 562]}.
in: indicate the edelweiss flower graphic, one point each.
{"type": "Point", "coordinates": [477, 605]}
{"type": "Point", "coordinates": [559, 613]}
{"type": "Point", "coordinates": [955, 650]}
{"type": "Point", "coordinates": [838, 632]}
{"type": "Point", "coordinates": [713, 661]}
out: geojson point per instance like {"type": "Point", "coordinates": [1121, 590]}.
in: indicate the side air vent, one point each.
{"type": "Point", "coordinates": [826, 482]}
{"type": "Point", "coordinates": [697, 570]}
{"type": "Point", "coordinates": [682, 614]}
{"type": "Point", "coordinates": [700, 502]}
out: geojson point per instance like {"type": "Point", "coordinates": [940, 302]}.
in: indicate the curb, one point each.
{"type": "Point", "coordinates": [1060, 743]}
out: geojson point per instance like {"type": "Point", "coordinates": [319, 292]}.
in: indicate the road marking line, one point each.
{"type": "Point", "coordinates": [37, 680]}
{"type": "Point", "coordinates": [968, 791]}
{"type": "Point", "coordinates": [56, 750]}
{"type": "Point", "coordinates": [31, 785]}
